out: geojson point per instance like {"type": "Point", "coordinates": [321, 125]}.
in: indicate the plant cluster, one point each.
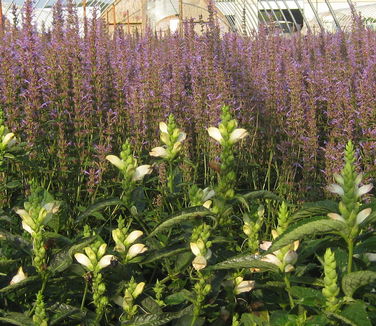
{"type": "Point", "coordinates": [89, 235]}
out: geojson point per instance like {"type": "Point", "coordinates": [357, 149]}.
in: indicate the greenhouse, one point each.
{"type": "Point", "coordinates": [187, 163]}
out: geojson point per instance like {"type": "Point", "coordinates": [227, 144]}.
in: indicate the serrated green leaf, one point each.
{"type": "Point", "coordinates": [245, 261]}
{"type": "Point", "coordinates": [190, 213]}
{"type": "Point", "coordinates": [157, 319]}
{"type": "Point", "coordinates": [357, 313]}
{"type": "Point", "coordinates": [91, 210]}
{"type": "Point", "coordinates": [17, 318]}
{"type": "Point", "coordinates": [14, 287]}
{"type": "Point", "coordinates": [251, 320]}
{"type": "Point", "coordinates": [298, 231]}
{"type": "Point", "coordinates": [352, 281]}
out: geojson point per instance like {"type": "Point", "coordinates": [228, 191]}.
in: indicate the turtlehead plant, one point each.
{"type": "Point", "coordinates": [132, 292]}
{"type": "Point", "coordinates": [227, 134]}
{"type": "Point", "coordinates": [201, 197]}
{"type": "Point", "coordinates": [128, 166]}
{"type": "Point", "coordinates": [94, 260]}
{"type": "Point", "coordinates": [172, 138]}
{"type": "Point", "coordinates": [37, 212]}
{"type": "Point", "coordinates": [349, 188]}
{"type": "Point", "coordinates": [286, 257]}
{"type": "Point", "coordinates": [200, 246]}
{"type": "Point", "coordinates": [252, 226]}
{"type": "Point", "coordinates": [124, 242]}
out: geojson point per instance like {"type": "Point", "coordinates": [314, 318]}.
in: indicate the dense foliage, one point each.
{"type": "Point", "coordinates": [149, 180]}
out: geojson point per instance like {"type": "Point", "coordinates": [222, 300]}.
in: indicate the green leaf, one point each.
{"type": "Point", "coordinates": [63, 311]}
{"type": "Point", "coordinates": [13, 184]}
{"type": "Point", "coordinates": [245, 261]}
{"type": "Point", "coordinates": [354, 314]}
{"type": "Point", "coordinates": [352, 281]}
{"type": "Point", "coordinates": [318, 208]}
{"type": "Point", "coordinates": [157, 319]}
{"type": "Point", "coordinates": [17, 318]}
{"type": "Point", "coordinates": [26, 282]}
{"type": "Point", "coordinates": [179, 297]}
{"type": "Point", "coordinates": [307, 296]}
{"type": "Point", "coordinates": [63, 259]}
{"type": "Point", "coordinates": [151, 306]}
{"type": "Point", "coordinates": [318, 320]}
{"type": "Point", "coordinates": [282, 318]}
{"type": "Point", "coordinates": [190, 213]}
{"type": "Point", "coordinates": [264, 194]}
{"type": "Point", "coordinates": [163, 253]}
{"type": "Point", "coordinates": [305, 228]}
{"type": "Point", "coordinates": [93, 209]}
{"type": "Point", "coordinates": [187, 320]}
{"type": "Point", "coordinates": [252, 319]}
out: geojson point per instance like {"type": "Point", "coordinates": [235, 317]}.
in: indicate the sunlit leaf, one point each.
{"type": "Point", "coordinates": [306, 228]}
{"type": "Point", "coordinates": [190, 213]}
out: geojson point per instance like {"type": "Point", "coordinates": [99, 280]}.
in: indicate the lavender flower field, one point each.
{"type": "Point", "coordinates": [186, 179]}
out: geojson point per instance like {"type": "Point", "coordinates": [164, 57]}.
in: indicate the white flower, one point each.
{"type": "Point", "coordinates": [106, 260]}
{"type": "Point", "coordinates": [199, 263]}
{"type": "Point", "coordinates": [362, 215]}
{"type": "Point", "coordinates": [336, 189]}
{"type": "Point", "coordinates": [195, 249]}
{"type": "Point", "coordinates": [243, 286]}
{"type": "Point", "coordinates": [20, 276]}
{"type": "Point", "coordinates": [119, 163]}
{"type": "Point", "coordinates": [133, 236]}
{"type": "Point", "coordinates": [163, 127]}
{"type": "Point", "coordinates": [158, 152]}
{"type": "Point", "coordinates": [84, 260]}
{"type": "Point", "coordinates": [27, 228]}
{"type": "Point", "coordinates": [182, 136]}
{"type": "Point", "coordinates": [141, 171]}
{"type": "Point", "coordinates": [135, 250]}
{"type": "Point", "coordinates": [138, 290]}
{"type": "Point", "coordinates": [215, 134]}
{"type": "Point", "coordinates": [237, 135]}
{"type": "Point", "coordinates": [335, 216]}
{"type": "Point", "coordinates": [7, 138]}
{"type": "Point", "coordinates": [363, 190]}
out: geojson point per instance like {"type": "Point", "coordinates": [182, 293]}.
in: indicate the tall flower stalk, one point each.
{"type": "Point", "coordinates": [227, 134]}
{"type": "Point", "coordinates": [350, 211]}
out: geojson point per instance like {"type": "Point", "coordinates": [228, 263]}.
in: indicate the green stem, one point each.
{"type": "Point", "coordinates": [84, 296]}
{"type": "Point", "coordinates": [350, 244]}
{"type": "Point", "coordinates": [288, 289]}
